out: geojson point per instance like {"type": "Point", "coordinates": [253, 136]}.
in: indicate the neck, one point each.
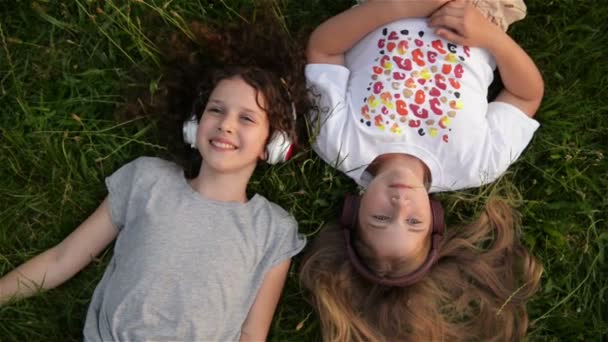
{"type": "Point", "coordinates": [221, 186]}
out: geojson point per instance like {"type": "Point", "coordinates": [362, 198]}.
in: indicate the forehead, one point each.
{"type": "Point", "coordinates": [235, 90]}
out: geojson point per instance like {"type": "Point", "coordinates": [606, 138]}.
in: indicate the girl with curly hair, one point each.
{"type": "Point", "coordinates": [194, 257]}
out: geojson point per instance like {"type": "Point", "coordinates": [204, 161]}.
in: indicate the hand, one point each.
{"type": "Point", "coordinates": [329, 42]}
{"type": "Point", "coordinates": [460, 22]}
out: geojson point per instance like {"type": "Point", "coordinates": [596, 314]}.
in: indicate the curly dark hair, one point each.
{"type": "Point", "coordinates": [274, 90]}
{"type": "Point", "coordinates": [259, 52]}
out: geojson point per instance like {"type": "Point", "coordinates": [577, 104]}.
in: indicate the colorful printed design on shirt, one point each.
{"type": "Point", "coordinates": [415, 85]}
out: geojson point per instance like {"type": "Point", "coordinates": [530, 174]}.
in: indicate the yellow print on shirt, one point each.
{"type": "Point", "coordinates": [415, 84]}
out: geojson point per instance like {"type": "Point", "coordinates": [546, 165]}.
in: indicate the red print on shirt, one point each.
{"type": "Point", "coordinates": [415, 85]}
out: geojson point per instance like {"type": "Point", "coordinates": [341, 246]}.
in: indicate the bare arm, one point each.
{"type": "Point", "coordinates": [461, 22]}
{"type": "Point", "coordinates": [329, 41]}
{"type": "Point", "coordinates": [59, 263]}
{"type": "Point", "coordinates": [524, 86]}
{"type": "Point", "coordinates": [257, 323]}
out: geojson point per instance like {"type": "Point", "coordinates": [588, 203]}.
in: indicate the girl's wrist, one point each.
{"type": "Point", "coordinates": [493, 38]}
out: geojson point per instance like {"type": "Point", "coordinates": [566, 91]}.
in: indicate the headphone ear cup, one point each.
{"type": "Point", "coordinates": [279, 148]}
{"type": "Point", "coordinates": [189, 131]}
{"type": "Point", "coordinates": [350, 210]}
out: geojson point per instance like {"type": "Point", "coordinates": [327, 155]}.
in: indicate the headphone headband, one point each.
{"type": "Point", "coordinates": [348, 222]}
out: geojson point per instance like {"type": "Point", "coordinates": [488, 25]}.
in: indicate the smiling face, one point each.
{"type": "Point", "coordinates": [234, 128]}
{"type": "Point", "coordinates": [395, 217]}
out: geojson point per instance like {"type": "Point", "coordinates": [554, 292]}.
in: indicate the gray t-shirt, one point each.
{"type": "Point", "coordinates": [185, 268]}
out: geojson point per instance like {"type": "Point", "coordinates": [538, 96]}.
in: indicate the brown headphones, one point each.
{"type": "Point", "coordinates": [348, 221]}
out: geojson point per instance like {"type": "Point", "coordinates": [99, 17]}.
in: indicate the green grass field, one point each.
{"type": "Point", "coordinates": [66, 65]}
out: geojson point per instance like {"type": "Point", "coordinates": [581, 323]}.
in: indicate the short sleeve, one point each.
{"type": "Point", "coordinates": [509, 132]}
{"type": "Point", "coordinates": [328, 84]}
{"type": "Point", "coordinates": [288, 243]}
{"type": "Point", "coordinates": [120, 187]}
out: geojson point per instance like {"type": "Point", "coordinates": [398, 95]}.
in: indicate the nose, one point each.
{"type": "Point", "coordinates": [226, 124]}
{"type": "Point", "coordinates": [399, 198]}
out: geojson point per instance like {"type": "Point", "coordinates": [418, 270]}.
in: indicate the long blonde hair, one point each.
{"type": "Point", "coordinates": [477, 290]}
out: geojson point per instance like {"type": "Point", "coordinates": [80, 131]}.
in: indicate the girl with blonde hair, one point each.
{"type": "Point", "coordinates": [401, 90]}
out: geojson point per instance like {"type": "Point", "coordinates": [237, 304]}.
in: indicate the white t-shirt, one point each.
{"type": "Point", "coordinates": [405, 90]}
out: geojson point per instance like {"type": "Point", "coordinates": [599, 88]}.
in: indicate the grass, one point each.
{"type": "Point", "coordinates": [65, 67]}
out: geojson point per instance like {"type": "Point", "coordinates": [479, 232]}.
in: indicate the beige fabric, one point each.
{"type": "Point", "coordinates": [501, 12]}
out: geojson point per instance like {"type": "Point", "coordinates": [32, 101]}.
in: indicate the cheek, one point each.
{"type": "Point", "coordinates": [373, 199]}
{"type": "Point", "coordinates": [200, 136]}
{"type": "Point", "coordinates": [371, 204]}
{"type": "Point", "coordinates": [258, 138]}
{"type": "Point", "coordinates": [205, 126]}
{"type": "Point", "coordinates": [423, 205]}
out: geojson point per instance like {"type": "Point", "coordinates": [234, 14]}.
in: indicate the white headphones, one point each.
{"type": "Point", "coordinates": [279, 148]}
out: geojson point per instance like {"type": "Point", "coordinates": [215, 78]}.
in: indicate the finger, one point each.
{"type": "Point", "coordinates": [458, 3]}
{"type": "Point", "coordinates": [452, 5]}
{"type": "Point", "coordinates": [450, 22]}
{"type": "Point", "coordinates": [450, 11]}
{"type": "Point", "coordinates": [450, 35]}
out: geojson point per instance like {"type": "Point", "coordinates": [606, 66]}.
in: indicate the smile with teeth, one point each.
{"type": "Point", "coordinates": [222, 145]}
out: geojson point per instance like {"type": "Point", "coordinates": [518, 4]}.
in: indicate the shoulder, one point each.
{"type": "Point", "coordinates": [278, 231]}
{"type": "Point", "coordinates": [273, 211]}
{"type": "Point", "coordinates": [153, 163]}
{"type": "Point", "coordinates": [316, 71]}
{"type": "Point", "coordinates": [327, 80]}
{"type": "Point", "coordinates": [272, 219]}
{"type": "Point", "coordinates": [153, 166]}
{"type": "Point", "coordinates": [142, 171]}
{"type": "Point", "coordinates": [504, 111]}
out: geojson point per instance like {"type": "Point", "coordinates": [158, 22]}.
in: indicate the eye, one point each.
{"type": "Point", "coordinates": [413, 221]}
{"type": "Point", "coordinates": [247, 118]}
{"type": "Point", "coordinates": [381, 217]}
{"type": "Point", "coordinates": [214, 110]}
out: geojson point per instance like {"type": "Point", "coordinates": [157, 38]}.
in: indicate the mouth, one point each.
{"type": "Point", "coordinates": [222, 144]}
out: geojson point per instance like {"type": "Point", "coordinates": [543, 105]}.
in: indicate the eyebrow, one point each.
{"type": "Point", "coordinates": [242, 109]}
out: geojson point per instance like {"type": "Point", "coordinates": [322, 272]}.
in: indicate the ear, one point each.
{"type": "Point", "coordinates": [264, 154]}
